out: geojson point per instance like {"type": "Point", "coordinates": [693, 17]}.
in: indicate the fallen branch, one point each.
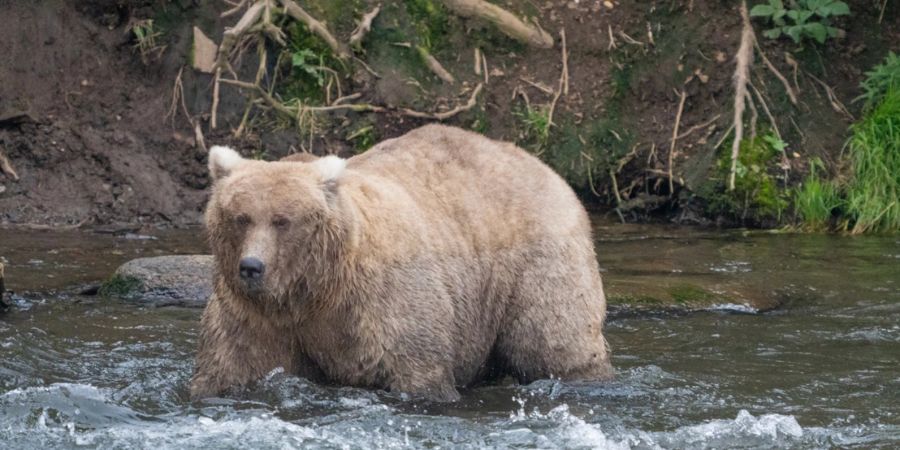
{"type": "Point", "coordinates": [506, 21]}
{"type": "Point", "coordinates": [675, 139]}
{"type": "Point", "coordinates": [294, 10]}
{"type": "Point", "coordinates": [7, 167]}
{"type": "Point", "coordinates": [744, 59]}
{"type": "Point", "coordinates": [365, 25]}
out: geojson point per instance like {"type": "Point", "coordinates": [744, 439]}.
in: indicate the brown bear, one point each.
{"type": "Point", "coordinates": [434, 260]}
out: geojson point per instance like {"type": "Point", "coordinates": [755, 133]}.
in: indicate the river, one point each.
{"type": "Point", "coordinates": [822, 370]}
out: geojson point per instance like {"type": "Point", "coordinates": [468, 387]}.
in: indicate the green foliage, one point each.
{"type": "Point", "coordinates": [363, 138]}
{"type": "Point", "coordinates": [757, 194]}
{"type": "Point", "coordinates": [146, 34]}
{"type": "Point", "coordinates": [817, 199]}
{"type": "Point", "coordinates": [311, 62]}
{"type": "Point", "coordinates": [305, 60]}
{"type": "Point", "coordinates": [873, 194]}
{"type": "Point", "coordinates": [535, 121]}
{"type": "Point", "coordinates": [688, 293]}
{"type": "Point", "coordinates": [880, 80]}
{"type": "Point", "coordinates": [430, 20]}
{"type": "Point", "coordinates": [801, 19]}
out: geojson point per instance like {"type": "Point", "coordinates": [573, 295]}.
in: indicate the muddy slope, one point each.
{"type": "Point", "coordinates": [84, 120]}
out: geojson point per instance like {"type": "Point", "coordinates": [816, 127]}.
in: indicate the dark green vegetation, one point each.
{"type": "Point", "coordinates": [867, 197]}
{"type": "Point", "coordinates": [119, 286]}
{"type": "Point", "coordinates": [801, 19]}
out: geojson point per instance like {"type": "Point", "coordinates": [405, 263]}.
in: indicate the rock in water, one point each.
{"type": "Point", "coordinates": [177, 280]}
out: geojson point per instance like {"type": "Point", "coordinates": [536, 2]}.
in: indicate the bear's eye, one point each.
{"type": "Point", "coordinates": [242, 220]}
{"type": "Point", "coordinates": [280, 222]}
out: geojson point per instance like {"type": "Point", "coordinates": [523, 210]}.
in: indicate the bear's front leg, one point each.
{"type": "Point", "coordinates": [427, 381]}
{"type": "Point", "coordinates": [237, 346]}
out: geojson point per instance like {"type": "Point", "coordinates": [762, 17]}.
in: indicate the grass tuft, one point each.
{"type": "Point", "coordinates": [817, 199]}
{"type": "Point", "coordinates": [873, 195]}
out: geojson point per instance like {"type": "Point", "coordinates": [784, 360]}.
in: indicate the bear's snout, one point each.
{"type": "Point", "coordinates": [251, 269]}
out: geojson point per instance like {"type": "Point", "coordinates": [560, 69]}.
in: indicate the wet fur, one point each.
{"type": "Point", "coordinates": [433, 261]}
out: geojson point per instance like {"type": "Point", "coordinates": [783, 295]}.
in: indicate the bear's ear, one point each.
{"type": "Point", "coordinates": [330, 167]}
{"type": "Point", "coordinates": [222, 160]}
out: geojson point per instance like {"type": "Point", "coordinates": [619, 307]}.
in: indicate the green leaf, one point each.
{"type": "Point", "coordinates": [795, 32]}
{"type": "Point", "coordinates": [777, 4]}
{"type": "Point", "coordinates": [762, 11]}
{"type": "Point", "coordinates": [774, 33]}
{"type": "Point", "coordinates": [794, 15]}
{"type": "Point", "coordinates": [779, 14]}
{"type": "Point", "coordinates": [804, 16]}
{"type": "Point", "coordinates": [817, 31]}
{"type": "Point", "coordinates": [839, 9]}
{"type": "Point", "coordinates": [832, 31]}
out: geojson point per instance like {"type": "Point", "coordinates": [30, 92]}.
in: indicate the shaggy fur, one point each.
{"type": "Point", "coordinates": [432, 261]}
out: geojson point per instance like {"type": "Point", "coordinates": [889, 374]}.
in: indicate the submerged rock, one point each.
{"type": "Point", "coordinates": [643, 293]}
{"type": "Point", "coordinates": [177, 280]}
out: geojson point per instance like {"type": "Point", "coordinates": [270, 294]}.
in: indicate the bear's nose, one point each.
{"type": "Point", "coordinates": [251, 268]}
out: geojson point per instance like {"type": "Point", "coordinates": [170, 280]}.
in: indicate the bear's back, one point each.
{"type": "Point", "coordinates": [478, 182]}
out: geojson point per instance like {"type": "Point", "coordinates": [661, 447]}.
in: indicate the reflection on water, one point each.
{"type": "Point", "coordinates": [820, 372]}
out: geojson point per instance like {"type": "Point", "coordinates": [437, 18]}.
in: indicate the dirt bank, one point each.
{"type": "Point", "coordinates": [86, 120]}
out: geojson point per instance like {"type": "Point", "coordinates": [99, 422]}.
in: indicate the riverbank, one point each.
{"type": "Point", "coordinates": [110, 139]}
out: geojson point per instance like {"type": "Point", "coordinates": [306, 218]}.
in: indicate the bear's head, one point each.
{"type": "Point", "coordinates": [273, 225]}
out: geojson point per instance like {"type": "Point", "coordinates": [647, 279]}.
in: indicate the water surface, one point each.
{"type": "Point", "coordinates": [821, 371]}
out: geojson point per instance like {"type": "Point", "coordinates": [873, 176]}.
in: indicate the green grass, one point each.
{"type": "Point", "coordinates": [816, 200]}
{"type": "Point", "coordinates": [880, 80]}
{"type": "Point", "coordinates": [534, 121]}
{"type": "Point", "coordinates": [873, 194]}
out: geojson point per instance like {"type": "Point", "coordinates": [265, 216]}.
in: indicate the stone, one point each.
{"type": "Point", "coordinates": [176, 280]}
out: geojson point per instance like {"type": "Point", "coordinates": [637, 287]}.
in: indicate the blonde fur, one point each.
{"type": "Point", "coordinates": [434, 260]}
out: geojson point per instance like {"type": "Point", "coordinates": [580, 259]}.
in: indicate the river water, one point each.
{"type": "Point", "coordinates": [820, 371]}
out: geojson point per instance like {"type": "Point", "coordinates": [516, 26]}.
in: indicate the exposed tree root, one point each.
{"type": "Point", "coordinates": [299, 110]}
{"type": "Point", "coordinates": [744, 59]}
{"type": "Point", "coordinates": [294, 10]}
{"type": "Point", "coordinates": [365, 25]}
{"type": "Point", "coordinates": [473, 100]}
{"type": "Point", "coordinates": [675, 140]}
{"type": "Point", "coordinates": [434, 65]}
{"type": "Point", "coordinates": [787, 86]}
{"type": "Point", "coordinates": [506, 21]}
